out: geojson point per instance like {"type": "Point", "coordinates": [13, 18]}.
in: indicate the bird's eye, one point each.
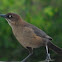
{"type": "Point", "coordinates": [9, 16]}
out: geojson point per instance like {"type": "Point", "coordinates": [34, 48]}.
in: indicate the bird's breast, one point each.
{"type": "Point", "coordinates": [27, 37]}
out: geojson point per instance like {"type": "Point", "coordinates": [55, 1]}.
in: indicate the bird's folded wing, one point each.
{"type": "Point", "coordinates": [38, 31]}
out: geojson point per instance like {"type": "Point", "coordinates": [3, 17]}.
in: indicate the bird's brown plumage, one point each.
{"type": "Point", "coordinates": [27, 34]}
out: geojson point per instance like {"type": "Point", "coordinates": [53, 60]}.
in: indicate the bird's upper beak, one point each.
{"type": "Point", "coordinates": [3, 15]}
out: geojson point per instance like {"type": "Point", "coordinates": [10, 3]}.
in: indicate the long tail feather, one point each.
{"type": "Point", "coordinates": [54, 48]}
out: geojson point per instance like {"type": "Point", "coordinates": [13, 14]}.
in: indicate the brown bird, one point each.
{"type": "Point", "coordinates": [29, 36]}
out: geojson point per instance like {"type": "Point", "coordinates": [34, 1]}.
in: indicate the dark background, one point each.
{"type": "Point", "coordinates": [45, 14]}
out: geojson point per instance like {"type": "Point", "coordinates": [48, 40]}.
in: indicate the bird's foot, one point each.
{"type": "Point", "coordinates": [48, 58]}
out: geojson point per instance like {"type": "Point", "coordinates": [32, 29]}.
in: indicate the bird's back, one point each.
{"type": "Point", "coordinates": [38, 31]}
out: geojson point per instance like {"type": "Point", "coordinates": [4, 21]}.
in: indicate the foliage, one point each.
{"type": "Point", "coordinates": [45, 14]}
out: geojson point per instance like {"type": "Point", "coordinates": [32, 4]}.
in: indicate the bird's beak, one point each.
{"type": "Point", "coordinates": [3, 15]}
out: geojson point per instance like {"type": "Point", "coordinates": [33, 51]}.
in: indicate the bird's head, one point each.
{"type": "Point", "coordinates": [12, 18]}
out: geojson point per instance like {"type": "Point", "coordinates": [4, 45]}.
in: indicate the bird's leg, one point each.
{"type": "Point", "coordinates": [30, 53]}
{"type": "Point", "coordinates": [48, 58]}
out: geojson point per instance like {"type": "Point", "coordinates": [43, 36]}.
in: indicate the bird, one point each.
{"type": "Point", "coordinates": [30, 36]}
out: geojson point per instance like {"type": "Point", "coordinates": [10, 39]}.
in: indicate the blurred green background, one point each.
{"type": "Point", "coordinates": [45, 14]}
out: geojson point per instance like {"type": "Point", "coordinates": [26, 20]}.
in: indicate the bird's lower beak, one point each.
{"type": "Point", "coordinates": [3, 15]}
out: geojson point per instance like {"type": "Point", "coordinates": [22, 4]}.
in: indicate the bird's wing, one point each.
{"type": "Point", "coordinates": [38, 31]}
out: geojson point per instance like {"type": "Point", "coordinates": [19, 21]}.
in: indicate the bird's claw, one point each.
{"type": "Point", "coordinates": [48, 58]}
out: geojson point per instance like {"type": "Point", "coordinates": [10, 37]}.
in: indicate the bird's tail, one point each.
{"type": "Point", "coordinates": [54, 48]}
